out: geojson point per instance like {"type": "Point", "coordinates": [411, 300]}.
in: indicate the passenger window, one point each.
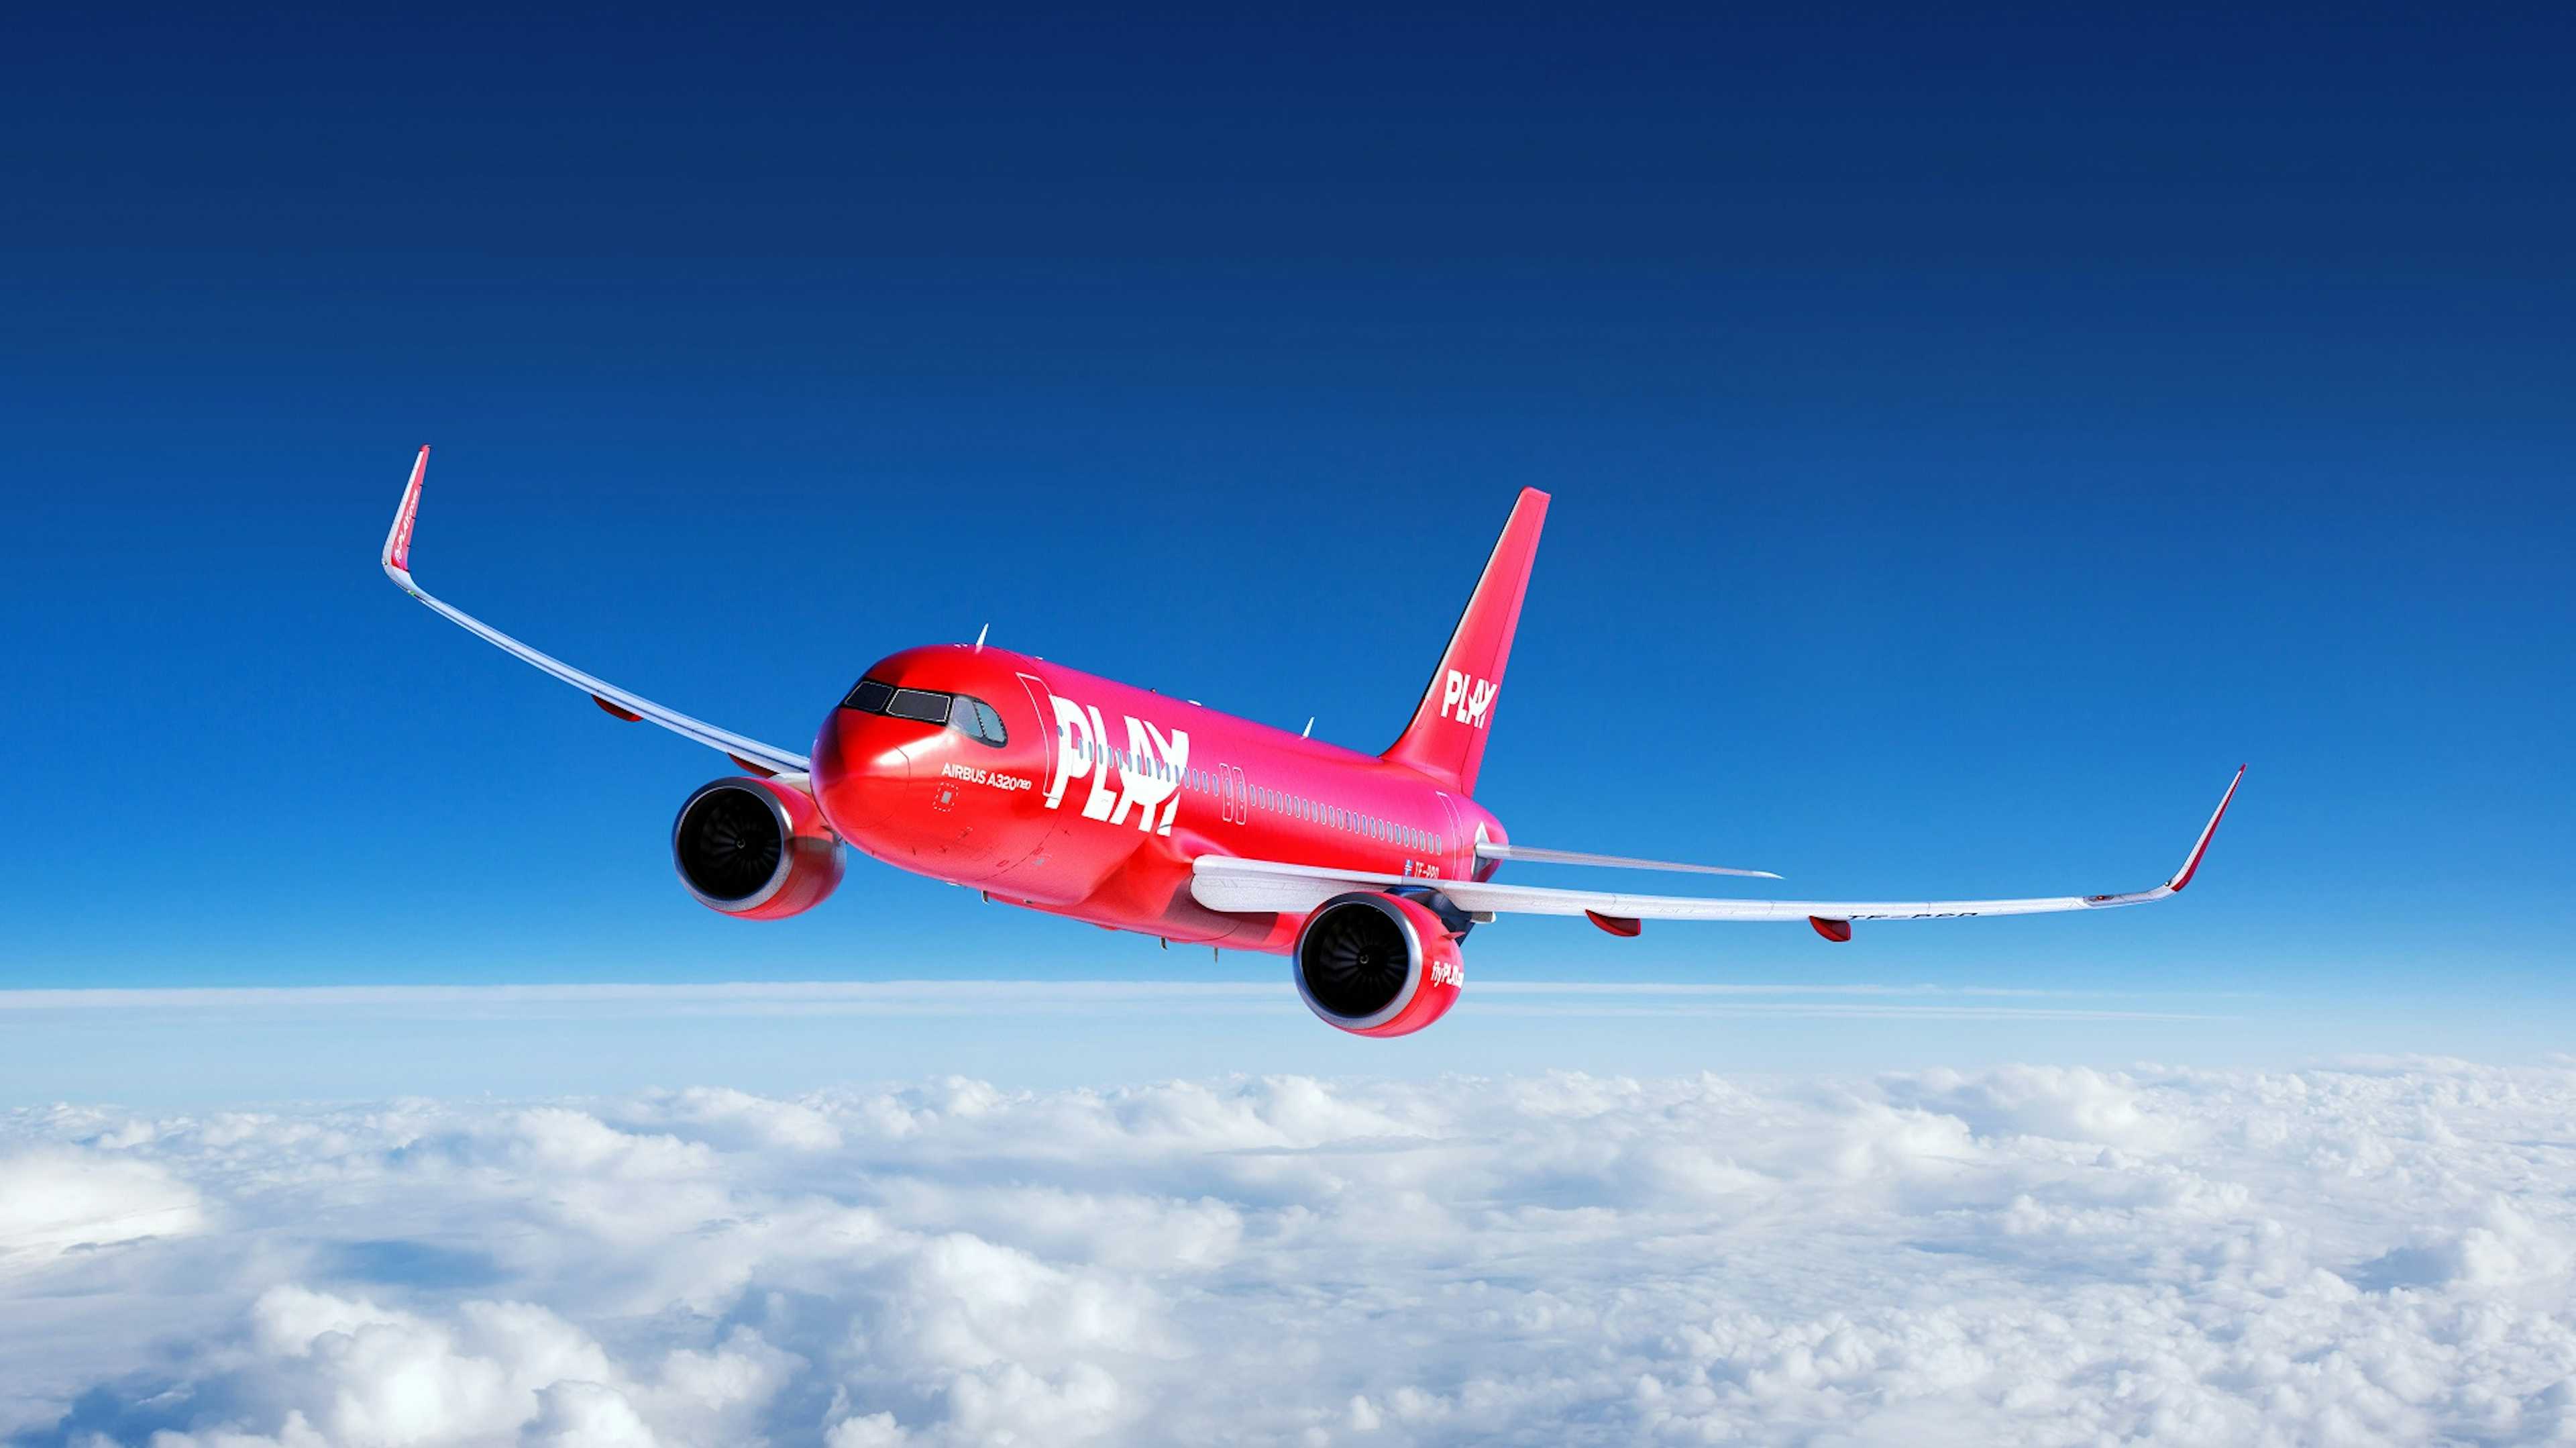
{"type": "Point", "coordinates": [870, 696]}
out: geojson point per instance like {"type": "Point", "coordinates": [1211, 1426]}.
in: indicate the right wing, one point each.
{"type": "Point", "coordinates": [750, 753]}
{"type": "Point", "coordinates": [1224, 883]}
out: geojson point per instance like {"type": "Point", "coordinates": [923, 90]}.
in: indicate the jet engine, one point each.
{"type": "Point", "coordinates": [755, 849]}
{"type": "Point", "coordinates": [1377, 965]}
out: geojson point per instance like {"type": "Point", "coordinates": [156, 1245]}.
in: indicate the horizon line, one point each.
{"type": "Point", "coordinates": [932, 996]}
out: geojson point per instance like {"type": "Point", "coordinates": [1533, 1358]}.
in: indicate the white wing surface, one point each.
{"type": "Point", "coordinates": [1223, 883]}
{"type": "Point", "coordinates": [751, 753]}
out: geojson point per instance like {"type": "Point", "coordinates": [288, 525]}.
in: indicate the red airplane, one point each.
{"type": "Point", "coordinates": [1062, 791]}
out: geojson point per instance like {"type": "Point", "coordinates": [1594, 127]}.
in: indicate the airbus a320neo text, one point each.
{"type": "Point", "coordinates": [1049, 788]}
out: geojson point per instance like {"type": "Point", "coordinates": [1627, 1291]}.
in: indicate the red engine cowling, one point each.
{"type": "Point", "coordinates": [1377, 965]}
{"type": "Point", "coordinates": [755, 849]}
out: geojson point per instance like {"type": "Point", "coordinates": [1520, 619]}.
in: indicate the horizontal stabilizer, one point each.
{"type": "Point", "coordinates": [1487, 850]}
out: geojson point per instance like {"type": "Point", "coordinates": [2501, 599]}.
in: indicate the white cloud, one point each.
{"type": "Point", "coordinates": [2384, 1253]}
{"type": "Point", "coordinates": [55, 1199]}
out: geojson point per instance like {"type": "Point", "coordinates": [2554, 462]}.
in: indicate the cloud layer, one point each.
{"type": "Point", "coordinates": [2037, 1255]}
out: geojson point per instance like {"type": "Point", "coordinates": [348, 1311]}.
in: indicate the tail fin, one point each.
{"type": "Point", "coordinates": [1446, 739]}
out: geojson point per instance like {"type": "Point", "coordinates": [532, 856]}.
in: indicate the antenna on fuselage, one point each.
{"type": "Point", "coordinates": [1309, 731]}
{"type": "Point", "coordinates": [979, 637]}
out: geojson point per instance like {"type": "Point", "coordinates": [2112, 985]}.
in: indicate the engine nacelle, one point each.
{"type": "Point", "coordinates": [755, 849]}
{"type": "Point", "coordinates": [1377, 965]}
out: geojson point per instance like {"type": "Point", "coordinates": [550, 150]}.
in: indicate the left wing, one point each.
{"type": "Point", "coordinates": [750, 753]}
{"type": "Point", "coordinates": [1222, 883]}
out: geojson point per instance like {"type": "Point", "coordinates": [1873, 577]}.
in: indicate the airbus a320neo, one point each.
{"type": "Point", "coordinates": [1062, 791]}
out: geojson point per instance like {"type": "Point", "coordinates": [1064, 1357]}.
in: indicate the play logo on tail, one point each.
{"type": "Point", "coordinates": [1467, 700]}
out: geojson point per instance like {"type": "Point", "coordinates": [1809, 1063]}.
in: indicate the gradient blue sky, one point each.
{"type": "Point", "coordinates": [1972, 436]}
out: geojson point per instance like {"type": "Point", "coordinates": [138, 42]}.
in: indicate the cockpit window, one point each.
{"type": "Point", "coordinates": [919, 704]}
{"type": "Point", "coordinates": [971, 717]}
{"type": "Point", "coordinates": [977, 720]}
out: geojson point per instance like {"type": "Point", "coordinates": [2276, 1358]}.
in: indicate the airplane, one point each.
{"type": "Point", "coordinates": [1045, 787]}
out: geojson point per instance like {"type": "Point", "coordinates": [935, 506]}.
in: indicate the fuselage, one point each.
{"type": "Point", "coordinates": [1078, 795]}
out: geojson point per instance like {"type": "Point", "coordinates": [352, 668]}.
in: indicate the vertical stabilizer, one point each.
{"type": "Point", "coordinates": [1446, 739]}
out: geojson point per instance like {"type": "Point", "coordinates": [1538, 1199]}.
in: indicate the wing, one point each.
{"type": "Point", "coordinates": [750, 753]}
{"type": "Point", "coordinates": [1222, 883]}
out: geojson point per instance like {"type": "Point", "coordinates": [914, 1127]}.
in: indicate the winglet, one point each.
{"type": "Point", "coordinates": [397, 558]}
{"type": "Point", "coordinates": [2183, 876]}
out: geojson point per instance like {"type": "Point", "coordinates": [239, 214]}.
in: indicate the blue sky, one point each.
{"type": "Point", "coordinates": [1971, 439]}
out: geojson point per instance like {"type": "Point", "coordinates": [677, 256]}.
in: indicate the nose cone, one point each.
{"type": "Point", "coordinates": [860, 771]}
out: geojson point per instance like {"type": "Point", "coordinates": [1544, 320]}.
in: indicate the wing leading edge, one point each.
{"type": "Point", "coordinates": [1222, 883]}
{"type": "Point", "coordinates": [768, 758]}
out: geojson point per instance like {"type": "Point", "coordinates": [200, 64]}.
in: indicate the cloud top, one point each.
{"type": "Point", "coordinates": [2027, 1254]}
